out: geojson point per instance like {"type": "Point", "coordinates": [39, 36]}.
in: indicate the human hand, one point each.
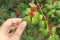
{"type": "Point", "coordinates": [10, 24]}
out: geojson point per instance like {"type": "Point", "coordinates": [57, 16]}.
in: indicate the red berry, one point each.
{"type": "Point", "coordinates": [49, 32]}
{"type": "Point", "coordinates": [31, 14]}
{"type": "Point", "coordinates": [50, 26]}
{"type": "Point", "coordinates": [17, 12]}
{"type": "Point", "coordinates": [46, 19]}
{"type": "Point", "coordinates": [53, 1]}
{"type": "Point", "coordinates": [31, 33]}
{"type": "Point", "coordinates": [34, 9]}
{"type": "Point", "coordinates": [41, 5]}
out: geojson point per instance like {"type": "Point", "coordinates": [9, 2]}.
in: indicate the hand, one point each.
{"type": "Point", "coordinates": [11, 24]}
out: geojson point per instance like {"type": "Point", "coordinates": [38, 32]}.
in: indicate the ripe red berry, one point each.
{"type": "Point", "coordinates": [41, 5]}
{"type": "Point", "coordinates": [49, 32]}
{"type": "Point", "coordinates": [17, 12]}
{"type": "Point", "coordinates": [31, 14]}
{"type": "Point", "coordinates": [34, 9]}
{"type": "Point", "coordinates": [53, 1]}
{"type": "Point", "coordinates": [50, 26]}
{"type": "Point", "coordinates": [46, 19]}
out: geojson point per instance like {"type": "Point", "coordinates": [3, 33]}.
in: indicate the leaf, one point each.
{"type": "Point", "coordinates": [22, 6]}
{"type": "Point", "coordinates": [36, 14]}
{"type": "Point", "coordinates": [51, 37]}
{"type": "Point", "coordinates": [45, 32]}
{"type": "Point", "coordinates": [51, 13]}
{"type": "Point", "coordinates": [27, 19]}
{"type": "Point", "coordinates": [48, 6]}
{"type": "Point", "coordinates": [56, 5]}
{"type": "Point", "coordinates": [41, 17]}
{"type": "Point", "coordinates": [48, 2]}
{"type": "Point", "coordinates": [32, 5]}
{"type": "Point", "coordinates": [56, 37]}
{"type": "Point", "coordinates": [57, 13]}
{"type": "Point", "coordinates": [27, 11]}
{"type": "Point", "coordinates": [54, 30]}
{"type": "Point", "coordinates": [35, 19]}
{"type": "Point", "coordinates": [42, 24]}
{"type": "Point", "coordinates": [5, 16]}
{"type": "Point", "coordinates": [58, 21]}
{"type": "Point", "coordinates": [40, 0]}
{"type": "Point", "coordinates": [44, 10]}
{"type": "Point", "coordinates": [30, 38]}
{"type": "Point", "coordinates": [13, 15]}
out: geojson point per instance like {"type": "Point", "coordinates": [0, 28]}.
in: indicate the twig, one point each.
{"type": "Point", "coordinates": [32, 1]}
{"type": "Point", "coordinates": [40, 9]}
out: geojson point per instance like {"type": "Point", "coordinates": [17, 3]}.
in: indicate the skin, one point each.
{"type": "Point", "coordinates": [11, 24]}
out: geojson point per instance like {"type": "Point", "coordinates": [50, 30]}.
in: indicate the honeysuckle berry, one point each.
{"type": "Point", "coordinates": [49, 32]}
{"type": "Point", "coordinates": [17, 12]}
{"type": "Point", "coordinates": [50, 26]}
{"type": "Point", "coordinates": [53, 1]}
{"type": "Point", "coordinates": [33, 9]}
{"type": "Point", "coordinates": [46, 19]}
{"type": "Point", "coordinates": [31, 33]}
{"type": "Point", "coordinates": [41, 5]}
{"type": "Point", "coordinates": [31, 14]}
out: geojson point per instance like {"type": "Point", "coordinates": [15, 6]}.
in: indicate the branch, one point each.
{"type": "Point", "coordinates": [40, 9]}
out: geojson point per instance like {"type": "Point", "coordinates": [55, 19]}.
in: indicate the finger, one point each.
{"type": "Point", "coordinates": [19, 31]}
{"type": "Point", "coordinates": [7, 24]}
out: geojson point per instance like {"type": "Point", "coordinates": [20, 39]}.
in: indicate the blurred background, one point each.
{"type": "Point", "coordinates": [39, 14]}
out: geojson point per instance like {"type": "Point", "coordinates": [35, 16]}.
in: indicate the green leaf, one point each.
{"type": "Point", "coordinates": [30, 38]}
{"type": "Point", "coordinates": [56, 37]}
{"type": "Point", "coordinates": [35, 19]}
{"type": "Point", "coordinates": [45, 32]}
{"type": "Point", "coordinates": [13, 15]}
{"type": "Point", "coordinates": [5, 16]}
{"type": "Point", "coordinates": [51, 37]}
{"type": "Point", "coordinates": [48, 2]}
{"type": "Point", "coordinates": [56, 5]}
{"type": "Point", "coordinates": [27, 11]}
{"type": "Point", "coordinates": [51, 13]}
{"type": "Point", "coordinates": [54, 30]}
{"type": "Point", "coordinates": [27, 18]}
{"type": "Point", "coordinates": [48, 6]}
{"type": "Point", "coordinates": [58, 13]}
{"type": "Point", "coordinates": [58, 21]}
{"type": "Point", "coordinates": [41, 17]}
{"type": "Point", "coordinates": [44, 10]}
{"type": "Point", "coordinates": [36, 14]}
{"type": "Point", "coordinates": [42, 24]}
{"type": "Point", "coordinates": [22, 6]}
{"type": "Point", "coordinates": [32, 5]}
{"type": "Point", "coordinates": [40, 0]}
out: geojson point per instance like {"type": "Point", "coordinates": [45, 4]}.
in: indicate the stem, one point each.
{"type": "Point", "coordinates": [40, 9]}
{"type": "Point", "coordinates": [32, 1]}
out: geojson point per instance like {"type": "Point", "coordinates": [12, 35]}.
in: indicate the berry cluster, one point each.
{"type": "Point", "coordinates": [50, 27]}
{"type": "Point", "coordinates": [33, 9]}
